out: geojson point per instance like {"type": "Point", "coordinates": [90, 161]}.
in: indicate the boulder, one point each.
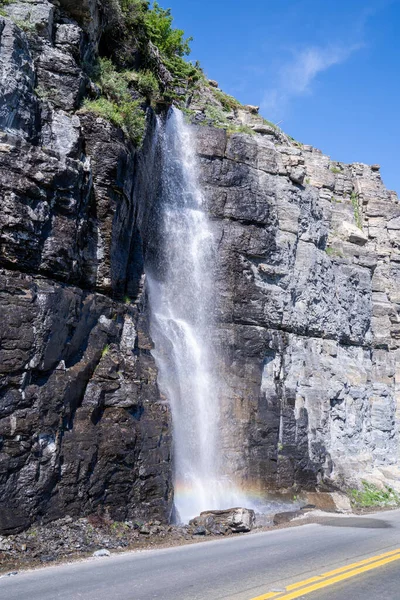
{"type": "Point", "coordinates": [264, 129]}
{"type": "Point", "coordinates": [253, 109]}
{"type": "Point", "coordinates": [200, 530]}
{"type": "Point", "coordinates": [329, 501]}
{"type": "Point", "coordinates": [217, 522]}
{"type": "Point", "coordinates": [101, 553]}
{"type": "Point", "coordinates": [353, 234]}
{"type": "Point", "coordinates": [297, 175]}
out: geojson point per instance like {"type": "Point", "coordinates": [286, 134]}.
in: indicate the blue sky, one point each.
{"type": "Point", "coordinates": [327, 71]}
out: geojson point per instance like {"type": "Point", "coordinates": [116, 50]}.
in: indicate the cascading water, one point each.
{"type": "Point", "coordinates": [180, 283]}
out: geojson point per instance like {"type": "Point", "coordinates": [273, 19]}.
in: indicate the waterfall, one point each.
{"type": "Point", "coordinates": [181, 295]}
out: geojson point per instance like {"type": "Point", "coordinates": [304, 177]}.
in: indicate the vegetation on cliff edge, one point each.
{"type": "Point", "coordinates": [143, 61]}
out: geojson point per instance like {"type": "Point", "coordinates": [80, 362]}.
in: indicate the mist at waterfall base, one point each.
{"type": "Point", "coordinates": [181, 295]}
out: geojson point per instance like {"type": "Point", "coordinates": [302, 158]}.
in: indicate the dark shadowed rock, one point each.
{"type": "Point", "coordinates": [199, 530]}
{"type": "Point", "coordinates": [82, 424]}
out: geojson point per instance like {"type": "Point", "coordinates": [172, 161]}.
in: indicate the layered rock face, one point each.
{"type": "Point", "coordinates": [308, 310]}
{"type": "Point", "coordinates": [307, 297]}
{"type": "Point", "coordinates": [82, 425]}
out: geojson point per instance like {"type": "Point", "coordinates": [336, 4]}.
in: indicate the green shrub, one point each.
{"type": "Point", "coordinates": [134, 30]}
{"type": "Point", "coordinates": [128, 115]}
{"type": "Point", "coordinates": [169, 41]}
{"type": "Point", "coordinates": [336, 170]}
{"type": "Point", "coordinates": [4, 3]}
{"type": "Point", "coordinates": [241, 129]}
{"type": "Point", "coordinates": [106, 109]}
{"type": "Point", "coordinates": [217, 116]}
{"type": "Point", "coordinates": [334, 252]}
{"type": "Point", "coordinates": [114, 85]}
{"type": "Point", "coordinates": [371, 495]}
{"type": "Point", "coordinates": [134, 121]}
{"type": "Point", "coordinates": [228, 102]}
{"type": "Point", "coordinates": [42, 93]}
{"type": "Point", "coordinates": [148, 85]}
{"type": "Point", "coordinates": [356, 209]}
{"type": "Point", "coordinates": [142, 25]}
{"type": "Point", "coordinates": [270, 124]}
{"type": "Point", "coordinates": [116, 104]}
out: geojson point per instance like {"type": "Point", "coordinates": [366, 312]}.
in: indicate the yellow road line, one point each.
{"type": "Point", "coordinates": [326, 579]}
{"type": "Point", "coordinates": [352, 566]}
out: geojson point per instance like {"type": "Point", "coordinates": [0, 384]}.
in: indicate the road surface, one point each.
{"type": "Point", "coordinates": [362, 552]}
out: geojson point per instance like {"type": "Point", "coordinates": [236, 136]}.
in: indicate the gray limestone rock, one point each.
{"type": "Point", "coordinates": [308, 313]}
{"type": "Point", "coordinates": [234, 520]}
{"type": "Point", "coordinates": [35, 15]}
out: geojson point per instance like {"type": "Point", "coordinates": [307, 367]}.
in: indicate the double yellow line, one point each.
{"type": "Point", "coordinates": [318, 582]}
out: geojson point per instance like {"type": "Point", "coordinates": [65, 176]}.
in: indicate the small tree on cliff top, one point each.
{"type": "Point", "coordinates": [170, 41]}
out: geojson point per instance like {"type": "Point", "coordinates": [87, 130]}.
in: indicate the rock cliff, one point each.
{"type": "Point", "coordinates": [309, 311]}
{"type": "Point", "coordinates": [82, 425]}
{"type": "Point", "coordinates": [307, 281]}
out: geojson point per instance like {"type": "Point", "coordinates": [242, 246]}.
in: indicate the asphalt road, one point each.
{"type": "Point", "coordinates": [380, 584]}
{"type": "Point", "coordinates": [237, 568]}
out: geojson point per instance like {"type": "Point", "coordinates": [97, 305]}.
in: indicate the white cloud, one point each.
{"type": "Point", "coordinates": [296, 78]}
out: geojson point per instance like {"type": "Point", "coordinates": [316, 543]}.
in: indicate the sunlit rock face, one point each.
{"type": "Point", "coordinates": [308, 311]}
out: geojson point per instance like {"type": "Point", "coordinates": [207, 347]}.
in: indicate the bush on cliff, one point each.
{"type": "Point", "coordinates": [117, 103]}
{"type": "Point", "coordinates": [3, 3]}
{"type": "Point", "coordinates": [140, 35]}
{"type": "Point", "coordinates": [169, 41]}
{"type": "Point", "coordinates": [371, 495]}
{"type": "Point", "coordinates": [147, 85]}
{"type": "Point", "coordinates": [142, 61]}
{"type": "Point", "coordinates": [128, 116]}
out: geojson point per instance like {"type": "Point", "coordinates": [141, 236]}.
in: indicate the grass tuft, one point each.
{"type": "Point", "coordinates": [334, 252]}
{"type": "Point", "coordinates": [356, 209]}
{"type": "Point", "coordinates": [228, 102]}
{"type": "Point", "coordinates": [128, 116]}
{"type": "Point", "coordinates": [371, 495]}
